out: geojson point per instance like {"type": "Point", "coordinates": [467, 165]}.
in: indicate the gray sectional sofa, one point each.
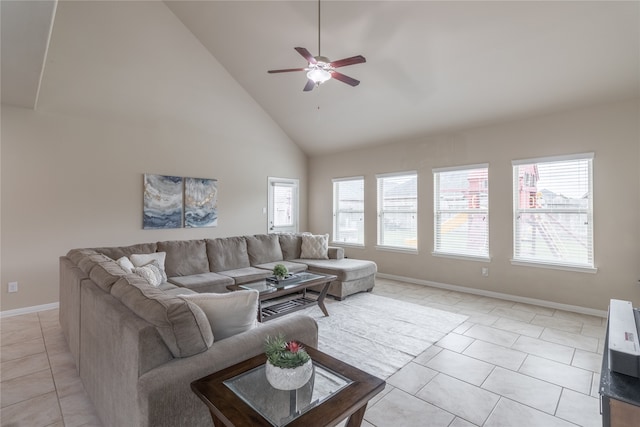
{"type": "Point", "coordinates": [138, 347]}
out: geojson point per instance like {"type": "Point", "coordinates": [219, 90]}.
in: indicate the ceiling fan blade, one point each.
{"type": "Point", "coordinates": [306, 54]}
{"type": "Point", "coordinates": [345, 79]}
{"type": "Point", "coordinates": [359, 59]}
{"type": "Point", "coordinates": [309, 86]}
{"type": "Point", "coordinates": [287, 70]}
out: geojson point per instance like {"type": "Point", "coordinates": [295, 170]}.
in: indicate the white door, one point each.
{"type": "Point", "coordinates": [283, 205]}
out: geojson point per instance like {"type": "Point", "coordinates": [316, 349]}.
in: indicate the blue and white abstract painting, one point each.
{"type": "Point", "coordinates": [162, 201]}
{"type": "Point", "coordinates": [200, 202]}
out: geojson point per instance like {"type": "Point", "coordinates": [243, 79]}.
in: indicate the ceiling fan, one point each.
{"type": "Point", "coordinates": [320, 68]}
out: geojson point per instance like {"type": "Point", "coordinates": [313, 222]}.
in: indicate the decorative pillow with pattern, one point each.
{"type": "Point", "coordinates": [140, 260]}
{"type": "Point", "coordinates": [126, 264]}
{"type": "Point", "coordinates": [315, 246]}
{"type": "Point", "coordinates": [151, 273]}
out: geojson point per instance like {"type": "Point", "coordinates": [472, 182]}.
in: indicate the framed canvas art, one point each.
{"type": "Point", "coordinates": [163, 196]}
{"type": "Point", "coordinates": [200, 202]}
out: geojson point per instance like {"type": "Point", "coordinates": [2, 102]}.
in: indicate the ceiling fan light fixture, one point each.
{"type": "Point", "coordinates": [318, 75]}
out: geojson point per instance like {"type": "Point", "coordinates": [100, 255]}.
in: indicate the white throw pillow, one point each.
{"type": "Point", "coordinates": [151, 273]}
{"type": "Point", "coordinates": [126, 264]}
{"type": "Point", "coordinates": [140, 260]}
{"type": "Point", "coordinates": [230, 313]}
{"type": "Point", "coordinates": [315, 246]}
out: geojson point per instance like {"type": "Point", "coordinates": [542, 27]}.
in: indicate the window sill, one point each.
{"type": "Point", "coordinates": [397, 249]}
{"type": "Point", "coordinates": [350, 245]}
{"type": "Point", "coordinates": [565, 267]}
{"type": "Point", "coordinates": [462, 257]}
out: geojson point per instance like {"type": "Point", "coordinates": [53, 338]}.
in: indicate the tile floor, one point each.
{"type": "Point", "coordinates": [510, 364]}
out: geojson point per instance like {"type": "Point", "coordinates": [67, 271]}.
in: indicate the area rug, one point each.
{"type": "Point", "coordinates": [377, 334]}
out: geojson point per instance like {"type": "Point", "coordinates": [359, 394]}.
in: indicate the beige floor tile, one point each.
{"type": "Point", "coordinates": [27, 333]}
{"type": "Point", "coordinates": [62, 362]}
{"type": "Point", "coordinates": [21, 349]}
{"type": "Point", "coordinates": [461, 367]}
{"type": "Point", "coordinates": [594, 331]}
{"type": "Point", "coordinates": [570, 339]}
{"type": "Point", "coordinates": [518, 327]}
{"type": "Point", "coordinates": [582, 318]}
{"type": "Point", "coordinates": [400, 409]}
{"type": "Point", "coordinates": [23, 366]}
{"type": "Point", "coordinates": [558, 373]}
{"type": "Point", "coordinates": [427, 355]}
{"type": "Point", "coordinates": [412, 377]}
{"type": "Point", "coordinates": [459, 422]}
{"type": "Point", "coordinates": [37, 412]}
{"type": "Point", "coordinates": [510, 414]}
{"type": "Point", "coordinates": [26, 387]}
{"type": "Point", "coordinates": [537, 309]}
{"type": "Point", "coordinates": [464, 327]}
{"type": "Point", "coordinates": [580, 409]}
{"type": "Point", "coordinates": [68, 383]}
{"type": "Point", "coordinates": [476, 306]}
{"type": "Point", "coordinates": [77, 410]}
{"type": "Point", "coordinates": [587, 360]}
{"type": "Point", "coordinates": [524, 389]}
{"type": "Point", "coordinates": [445, 392]}
{"type": "Point", "coordinates": [477, 317]}
{"type": "Point", "coordinates": [455, 342]}
{"type": "Point", "coordinates": [566, 325]}
{"type": "Point", "coordinates": [17, 323]}
{"type": "Point", "coordinates": [510, 313]}
{"type": "Point", "coordinates": [496, 355]}
{"type": "Point", "coordinates": [49, 319]}
{"type": "Point", "coordinates": [548, 350]}
{"type": "Point", "coordinates": [595, 385]}
{"type": "Point", "coordinates": [492, 335]}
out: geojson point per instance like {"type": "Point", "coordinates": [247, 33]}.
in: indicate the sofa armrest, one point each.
{"type": "Point", "coordinates": [164, 393]}
{"type": "Point", "coordinates": [335, 252]}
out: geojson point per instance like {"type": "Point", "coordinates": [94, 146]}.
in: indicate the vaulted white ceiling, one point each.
{"type": "Point", "coordinates": [432, 67]}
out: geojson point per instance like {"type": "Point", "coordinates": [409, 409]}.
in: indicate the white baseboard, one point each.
{"type": "Point", "coordinates": [27, 310]}
{"type": "Point", "coordinates": [499, 295]}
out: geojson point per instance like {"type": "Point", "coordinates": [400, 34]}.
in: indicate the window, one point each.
{"type": "Point", "coordinates": [461, 211]}
{"type": "Point", "coordinates": [348, 210]}
{"type": "Point", "coordinates": [398, 210]}
{"type": "Point", "coordinates": [283, 205]}
{"type": "Point", "coordinates": [553, 211]}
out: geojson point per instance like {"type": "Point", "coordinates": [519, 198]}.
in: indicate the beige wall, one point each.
{"type": "Point", "coordinates": [610, 131]}
{"type": "Point", "coordinates": [127, 90]}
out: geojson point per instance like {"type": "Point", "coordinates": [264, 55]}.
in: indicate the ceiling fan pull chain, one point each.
{"type": "Point", "coordinates": [319, 51]}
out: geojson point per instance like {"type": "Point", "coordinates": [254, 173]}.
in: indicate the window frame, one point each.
{"type": "Point", "coordinates": [519, 260]}
{"type": "Point", "coordinates": [295, 204]}
{"type": "Point", "coordinates": [337, 210]}
{"type": "Point", "coordinates": [438, 211]}
{"type": "Point", "coordinates": [381, 212]}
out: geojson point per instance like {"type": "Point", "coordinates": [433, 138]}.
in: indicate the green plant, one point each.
{"type": "Point", "coordinates": [280, 270]}
{"type": "Point", "coordinates": [285, 354]}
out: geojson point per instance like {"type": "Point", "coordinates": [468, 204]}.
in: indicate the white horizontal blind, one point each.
{"type": "Point", "coordinates": [283, 198]}
{"type": "Point", "coordinates": [398, 210]}
{"type": "Point", "coordinates": [553, 211]}
{"type": "Point", "coordinates": [348, 210]}
{"type": "Point", "coordinates": [461, 211]}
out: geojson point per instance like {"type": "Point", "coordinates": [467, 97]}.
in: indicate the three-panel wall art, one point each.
{"type": "Point", "coordinates": [176, 202]}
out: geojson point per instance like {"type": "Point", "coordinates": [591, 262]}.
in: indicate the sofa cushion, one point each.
{"type": "Point", "coordinates": [315, 246]}
{"type": "Point", "coordinates": [290, 244]}
{"type": "Point", "coordinates": [90, 261]}
{"type": "Point", "coordinates": [346, 269]}
{"type": "Point", "coordinates": [205, 282]}
{"type": "Point", "coordinates": [227, 253]}
{"type": "Point", "coordinates": [75, 255]}
{"type": "Point", "coordinates": [118, 252]}
{"type": "Point", "coordinates": [185, 257]}
{"type": "Point", "coordinates": [263, 248]}
{"type": "Point", "coordinates": [293, 267]}
{"type": "Point", "coordinates": [228, 314]}
{"type": "Point", "coordinates": [182, 325]}
{"type": "Point", "coordinates": [246, 275]}
{"type": "Point", "coordinates": [105, 274]}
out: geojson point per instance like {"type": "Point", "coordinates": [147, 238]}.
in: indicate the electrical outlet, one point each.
{"type": "Point", "coordinates": [13, 287]}
{"type": "Point", "coordinates": [485, 271]}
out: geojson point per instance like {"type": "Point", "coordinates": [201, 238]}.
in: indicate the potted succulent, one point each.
{"type": "Point", "coordinates": [288, 366]}
{"type": "Point", "coordinates": [280, 271]}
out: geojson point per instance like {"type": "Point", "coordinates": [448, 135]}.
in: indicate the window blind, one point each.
{"type": "Point", "coordinates": [398, 210]}
{"type": "Point", "coordinates": [553, 211]}
{"type": "Point", "coordinates": [348, 210]}
{"type": "Point", "coordinates": [461, 211]}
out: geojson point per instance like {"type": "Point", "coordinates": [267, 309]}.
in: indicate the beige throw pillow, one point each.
{"type": "Point", "coordinates": [229, 314]}
{"type": "Point", "coordinates": [315, 246]}
{"type": "Point", "coordinates": [140, 260]}
{"type": "Point", "coordinates": [151, 273]}
{"type": "Point", "coordinates": [126, 264]}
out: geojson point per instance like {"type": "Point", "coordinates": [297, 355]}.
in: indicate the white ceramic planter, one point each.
{"type": "Point", "coordinates": [289, 378]}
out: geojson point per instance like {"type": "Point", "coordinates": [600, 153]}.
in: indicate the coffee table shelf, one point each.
{"type": "Point", "coordinates": [286, 307]}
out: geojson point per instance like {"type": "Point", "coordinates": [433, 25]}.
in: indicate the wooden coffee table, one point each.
{"type": "Point", "coordinates": [298, 284]}
{"type": "Point", "coordinates": [241, 396]}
